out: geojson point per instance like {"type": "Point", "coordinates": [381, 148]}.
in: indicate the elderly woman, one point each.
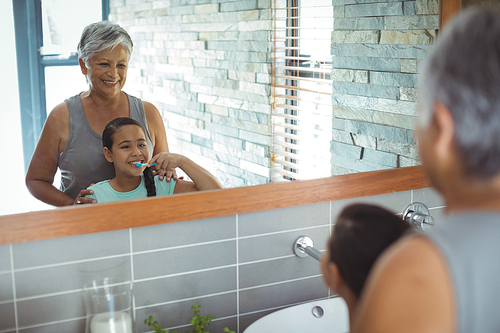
{"type": "Point", "coordinates": [71, 137]}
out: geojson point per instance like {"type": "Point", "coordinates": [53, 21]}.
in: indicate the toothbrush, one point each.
{"type": "Point", "coordinates": [143, 164]}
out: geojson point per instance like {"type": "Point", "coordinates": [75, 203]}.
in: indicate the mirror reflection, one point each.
{"type": "Point", "coordinates": [253, 94]}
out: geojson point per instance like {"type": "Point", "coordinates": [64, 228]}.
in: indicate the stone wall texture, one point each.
{"type": "Point", "coordinates": [204, 65]}
{"type": "Point", "coordinates": [376, 47]}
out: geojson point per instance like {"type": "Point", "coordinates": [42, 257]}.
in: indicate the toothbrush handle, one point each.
{"type": "Point", "coordinates": [139, 165]}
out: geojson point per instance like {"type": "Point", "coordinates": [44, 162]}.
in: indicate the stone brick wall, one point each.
{"type": "Point", "coordinates": [376, 47]}
{"type": "Point", "coordinates": [205, 65]}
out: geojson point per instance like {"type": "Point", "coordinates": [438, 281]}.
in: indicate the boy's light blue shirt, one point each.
{"type": "Point", "coordinates": [103, 192]}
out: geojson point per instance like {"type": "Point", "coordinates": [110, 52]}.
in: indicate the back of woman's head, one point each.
{"type": "Point", "coordinates": [362, 232]}
{"type": "Point", "coordinates": [101, 36]}
{"type": "Point", "coordinates": [107, 142]}
{"type": "Point", "coordinates": [462, 71]}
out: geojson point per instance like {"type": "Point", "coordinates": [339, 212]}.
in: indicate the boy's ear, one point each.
{"type": "Point", "coordinates": [336, 278]}
{"type": "Point", "coordinates": [108, 154]}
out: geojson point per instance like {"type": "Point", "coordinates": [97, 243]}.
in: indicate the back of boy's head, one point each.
{"type": "Point", "coordinates": [362, 232]}
{"type": "Point", "coordinates": [107, 142]}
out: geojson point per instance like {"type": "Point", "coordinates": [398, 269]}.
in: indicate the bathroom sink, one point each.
{"type": "Point", "coordinates": [329, 315]}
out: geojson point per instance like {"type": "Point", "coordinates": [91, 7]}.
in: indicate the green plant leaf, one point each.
{"type": "Point", "coordinates": [198, 322]}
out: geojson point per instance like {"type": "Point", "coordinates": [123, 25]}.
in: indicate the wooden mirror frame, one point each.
{"type": "Point", "coordinates": [72, 221]}
{"type": "Point", "coordinates": [447, 9]}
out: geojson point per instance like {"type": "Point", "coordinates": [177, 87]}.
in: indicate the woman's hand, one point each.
{"type": "Point", "coordinates": [165, 165]}
{"type": "Point", "coordinates": [80, 198]}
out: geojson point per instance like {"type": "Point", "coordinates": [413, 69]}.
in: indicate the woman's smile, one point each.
{"type": "Point", "coordinates": [111, 83]}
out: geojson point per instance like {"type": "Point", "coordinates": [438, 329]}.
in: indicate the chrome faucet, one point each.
{"type": "Point", "coordinates": [304, 246]}
{"type": "Point", "coordinates": [417, 215]}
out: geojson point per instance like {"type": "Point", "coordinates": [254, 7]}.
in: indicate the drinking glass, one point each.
{"type": "Point", "coordinates": [108, 305]}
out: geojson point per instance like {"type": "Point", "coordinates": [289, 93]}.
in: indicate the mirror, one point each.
{"type": "Point", "coordinates": [207, 68]}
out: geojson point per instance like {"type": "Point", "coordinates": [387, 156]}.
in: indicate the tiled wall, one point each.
{"type": "Point", "coordinates": [238, 267]}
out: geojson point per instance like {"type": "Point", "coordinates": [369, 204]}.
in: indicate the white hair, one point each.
{"type": "Point", "coordinates": [101, 36]}
{"type": "Point", "coordinates": [462, 71]}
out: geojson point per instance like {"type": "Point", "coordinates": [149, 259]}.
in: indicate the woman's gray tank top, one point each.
{"type": "Point", "coordinates": [82, 161]}
{"type": "Point", "coordinates": [471, 245]}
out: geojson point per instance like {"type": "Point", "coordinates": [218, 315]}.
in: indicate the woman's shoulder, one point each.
{"type": "Point", "coordinates": [59, 110]}
{"type": "Point", "coordinates": [60, 113]}
{"type": "Point", "coordinates": [137, 100]}
{"type": "Point", "coordinates": [58, 120]}
{"type": "Point", "coordinates": [75, 98]}
{"type": "Point", "coordinates": [150, 110]}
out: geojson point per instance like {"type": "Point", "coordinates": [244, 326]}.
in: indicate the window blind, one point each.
{"type": "Point", "coordinates": [301, 89]}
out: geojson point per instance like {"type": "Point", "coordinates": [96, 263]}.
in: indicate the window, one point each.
{"type": "Point", "coordinates": [47, 33]}
{"type": "Point", "coordinates": [301, 114]}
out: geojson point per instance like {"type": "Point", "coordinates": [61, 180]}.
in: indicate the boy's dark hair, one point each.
{"type": "Point", "coordinates": [107, 141]}
{"type": "Point", "coordinates": [362, 232]}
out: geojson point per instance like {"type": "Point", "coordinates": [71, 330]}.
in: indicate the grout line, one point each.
{"type": "Point", "coordinates": [54, 294]}
{"type": "Point", "coordinates": [281, 282]}
{"type": "Point", "coordinates": [53, 323]}
{"type": "Point", "coordinates": [330, 222]}
{"type": "Point", "coordinates": [437, 207]}
{"type": "Point", "coordinates": [330, 233]}
{"type": "Point", "coordinates": [412, 196]}
{"type": "Point", "coordinates": [237, 278]}
{"type": "Point", "coordinates": [71, 262]}
{"type": "Point", "coordinates": [223, 318]}
{"type": "Point", "coordinates": [271, 259]}
{"type": "Point", "coordinates": [184, 246]}
{"type": "Point", "coordinates": [284, 231]}
{"type": "Point", "coordinates": [14, 296]}
{"type": "Point", "coordinates": [60, 293]}
{"type": "Point", "coordinates": [132, 272]}
{"type": "Point", "coordinates": [184, 273]}
{"type": "Point", "coordinates": [184, 300]}
{"type": "Point", "coordinates": [176, 327]}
